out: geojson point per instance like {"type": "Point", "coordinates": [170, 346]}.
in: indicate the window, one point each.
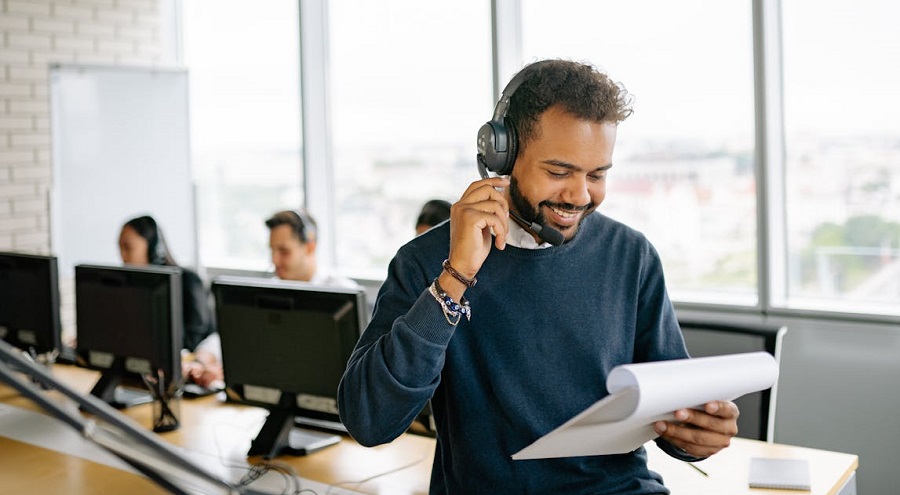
{"type": "Point", "coordinates": [684, 161]}
{"type": "Point", "coordinates": [410, 86]}
{"type": "Point", "coordinates": [842, 140]}
{"type": "Point", "coordinates": [245, 123]}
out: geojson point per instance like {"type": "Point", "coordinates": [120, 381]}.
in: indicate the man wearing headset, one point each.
{"type": "Point", "coordinates": [508, 359]}
{"type": "Point", "coordinates": [292, 239]}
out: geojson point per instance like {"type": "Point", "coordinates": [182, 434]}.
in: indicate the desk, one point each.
{"type": "Point", "coordinates": [215, 431]}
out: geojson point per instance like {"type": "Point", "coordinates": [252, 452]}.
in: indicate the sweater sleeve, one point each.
{"type": "Point", "coordinates": [397, 363]}
{"type": "Point", "coordinates": [658, 336]}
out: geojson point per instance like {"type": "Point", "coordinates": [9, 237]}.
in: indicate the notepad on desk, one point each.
{"type": "Point", "coordinates": [783, 474]}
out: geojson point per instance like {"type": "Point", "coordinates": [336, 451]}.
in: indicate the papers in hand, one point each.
{"type": "Point", "coordinates": [643, 393]}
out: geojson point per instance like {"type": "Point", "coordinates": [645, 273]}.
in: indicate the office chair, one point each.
{"type": "Point", "coordinates": [711, 338]}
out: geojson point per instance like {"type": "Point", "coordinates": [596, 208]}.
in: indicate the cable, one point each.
{"type": "Point", "coordinates": [292, 484]}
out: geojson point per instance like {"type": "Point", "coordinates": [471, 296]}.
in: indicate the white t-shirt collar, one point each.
{"type": "Point", "coordinates": [521, 238]}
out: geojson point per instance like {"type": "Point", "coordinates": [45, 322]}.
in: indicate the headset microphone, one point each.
{"type": "Point", "coordinates": [547, 234]}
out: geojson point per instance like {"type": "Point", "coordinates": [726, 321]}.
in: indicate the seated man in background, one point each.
{"type": "Point", "coordinates": [292, 239]}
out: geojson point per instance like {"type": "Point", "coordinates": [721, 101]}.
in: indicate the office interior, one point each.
{"type": "Point", "coordinates": [837, 388]}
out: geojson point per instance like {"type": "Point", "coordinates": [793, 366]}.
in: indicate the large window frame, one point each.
{"type": "Point", "coordinates": [506, 48]}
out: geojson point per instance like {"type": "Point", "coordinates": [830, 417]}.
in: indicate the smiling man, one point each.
{"type": "Point", "coordinates": [511, 357]}
{"type": "Point", "coordinates": [293, 242]}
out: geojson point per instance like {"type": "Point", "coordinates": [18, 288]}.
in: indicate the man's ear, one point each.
{"type": "Point", "coordinates": [311, 247]}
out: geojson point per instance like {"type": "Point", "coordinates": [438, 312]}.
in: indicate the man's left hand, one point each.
{"type": "Point", "coordinates": [701, 433]}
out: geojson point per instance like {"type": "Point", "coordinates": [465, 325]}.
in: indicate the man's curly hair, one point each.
{"type": "Point", "coordinates": [579, 88]}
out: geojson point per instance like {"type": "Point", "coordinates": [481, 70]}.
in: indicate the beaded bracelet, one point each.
{"type": "Point", "coordinates": [458, 276]}
{"type": "Point", "coordinates": [453, 311]}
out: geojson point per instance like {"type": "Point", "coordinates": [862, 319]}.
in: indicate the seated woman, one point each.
{"type": "Point", "coordinates": [141, 242]}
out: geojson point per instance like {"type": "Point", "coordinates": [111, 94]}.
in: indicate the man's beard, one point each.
{"type": "Point", "coordinates": [534, 214]}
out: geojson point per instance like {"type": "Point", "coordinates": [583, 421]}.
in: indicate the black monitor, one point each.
{"type": "Point", "coordinates": [129, 327]}
{"type": "Point", "coordinates": [714, 338]}
{"type": "Point", "coordinates": [29, 302]}
{"type": "Point", "coordinates": [285, 346]}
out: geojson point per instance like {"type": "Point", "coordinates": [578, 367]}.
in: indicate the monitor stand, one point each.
{"type": "Point", "coordinates": [279, 435]}
{"type": "Point", "coordinates": [109, 389]}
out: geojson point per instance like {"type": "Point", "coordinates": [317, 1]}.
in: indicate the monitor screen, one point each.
{"type": "Point", "coordinates": [285, 346]}
{"type": "Point", "coordinates": [129, 325]}
{"type": "Point", "coordinates": [29, 302]}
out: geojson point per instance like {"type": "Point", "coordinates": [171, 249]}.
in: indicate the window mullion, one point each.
{"type": "Point", "coordinates": [770, 170]}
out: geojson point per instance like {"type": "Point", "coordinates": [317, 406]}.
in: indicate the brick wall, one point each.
{"type": "Point", "coordinates": [35, 35]}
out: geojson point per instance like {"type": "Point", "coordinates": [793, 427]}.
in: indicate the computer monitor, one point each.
{"type": "Point", "coordinates": [129, 327]}
{"type": "Point", "coordinates": [29, 302]}
{"type": "Point", "coordinates": [285, 346]}
{"type": "Point", "coordinates": [714, 338]}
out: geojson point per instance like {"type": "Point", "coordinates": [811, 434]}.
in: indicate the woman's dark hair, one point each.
{"type": "Point", "coordinates": [433, 212]}
{"type": "Point", "coordinates": [157, 249]}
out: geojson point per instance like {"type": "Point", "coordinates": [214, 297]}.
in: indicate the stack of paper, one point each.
{"type": "Point", "coordinates": [643, 393]}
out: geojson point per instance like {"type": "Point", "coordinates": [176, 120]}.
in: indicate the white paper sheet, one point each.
{"type": "Point", "coordinates": [643, 393]}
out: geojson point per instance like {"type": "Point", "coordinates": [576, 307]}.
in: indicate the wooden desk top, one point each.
{"type": "Point", "coordinates": [222, 433]}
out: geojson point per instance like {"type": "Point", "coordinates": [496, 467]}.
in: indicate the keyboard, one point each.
{"type": "Point", "coordinates": [192, 390]}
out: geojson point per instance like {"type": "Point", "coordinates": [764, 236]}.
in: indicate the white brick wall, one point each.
{"type": "Point", "coordinates": [36, 34]}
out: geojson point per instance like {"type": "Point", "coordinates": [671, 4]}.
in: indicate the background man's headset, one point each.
{"type": "Point", "coordinates": [498, 145]}
{"type": "Point", "coordinates": [306, 230]}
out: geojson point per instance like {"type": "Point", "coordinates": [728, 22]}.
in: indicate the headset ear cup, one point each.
{"type": "Point", "coordinates": [157, 253]}
{"type": "Point", "coordinates": [513, 148]}
{"type": "Point", "coordinates": [487, 147]}
{"type": "Point", "coordinates": [493, 147]}
{"type": "Point", "coordinates": [161, 254]}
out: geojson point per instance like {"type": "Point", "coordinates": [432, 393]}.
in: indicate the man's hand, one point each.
{"type": "Point", "coordinates": [701, 433]}
{"type": "Point", "coordinates": [202, 372]}
{"type": "Point", "coordinates": [481, 211]}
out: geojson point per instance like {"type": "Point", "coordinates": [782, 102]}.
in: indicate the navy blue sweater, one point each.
{"type": "Point", "coordinates": [547, 327]}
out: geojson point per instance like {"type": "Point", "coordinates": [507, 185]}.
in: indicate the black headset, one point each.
{"type": "Point", "coordinates": [306, 230]}
{"type": "Point", "coordinates": [157, 253]}
{"type": "Point", "coordinates": [497, 139]}
{"type": "Point", "coordinates": [498, 145]}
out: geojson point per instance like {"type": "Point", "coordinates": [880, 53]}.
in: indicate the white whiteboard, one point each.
{"type": "Point", "coordinates": [120, 149]}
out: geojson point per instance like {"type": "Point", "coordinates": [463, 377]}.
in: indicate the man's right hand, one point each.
{"type": "Point", "coordinates": [481, 211]}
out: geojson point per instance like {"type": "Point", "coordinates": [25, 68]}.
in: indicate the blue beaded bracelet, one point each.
{"type": "Point", "coordinates": [453, 311]}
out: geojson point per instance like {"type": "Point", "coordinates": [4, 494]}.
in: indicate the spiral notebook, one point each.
{"type": "Point", "coordinates": [783, 474]}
